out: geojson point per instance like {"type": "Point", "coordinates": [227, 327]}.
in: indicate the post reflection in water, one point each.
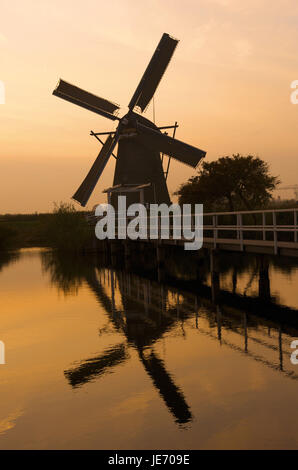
{"type": "Point", "coordinates": [143, 310]}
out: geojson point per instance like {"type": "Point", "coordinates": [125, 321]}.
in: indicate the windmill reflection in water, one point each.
{"type": "Point", "coordinates": [142, 324]}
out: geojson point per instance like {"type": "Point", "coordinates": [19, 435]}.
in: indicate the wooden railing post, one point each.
{"type": "Point", "coordinates": [264, 224]}
{"type": "Point", "coordinates": [274, 232]}
{"type": "Point", "coordinates": [214, 218]}
{"type": "Point", "coordinates": [238, 223]}
{"type": "Point", "coordinates": [241, 231]}
{"type": "Point", "coordinates": [216, 225]}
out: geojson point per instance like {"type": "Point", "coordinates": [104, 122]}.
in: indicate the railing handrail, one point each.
{"type": "Point", "coordinates": [259, 211]}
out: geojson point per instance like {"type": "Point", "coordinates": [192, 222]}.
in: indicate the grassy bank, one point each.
{"type": "Point", "coordinates": [18, 231]}
{"type": "Point", "coordinates": [64, 229]}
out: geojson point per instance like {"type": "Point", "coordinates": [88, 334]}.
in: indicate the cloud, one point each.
{"type": "Point", "coordinates": [217, 42]}
{"type": "Point", "coordinates": [243, 48]}
{"type": "Point", "coordinates": [10, 421]}
{"type": "Point", "coordinates": [3, 39]}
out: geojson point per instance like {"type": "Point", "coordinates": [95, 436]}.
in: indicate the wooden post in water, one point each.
{"type": "Point", "coordinates": [140, 246]}
{"type": "Point", "coordinates": [215, 276]}
{"type": "Point", "coordinates": [160, 258]}
{"type": "Point", "coordinates": [114, 248]}
{"type": "Point", "coordinates": [264, 280]}
{"type": "Point", "coordinates": [127, 254]}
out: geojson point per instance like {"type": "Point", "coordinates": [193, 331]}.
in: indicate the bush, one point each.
{"type": "Point", "coordinates": [7, 234]}
{"type": "Point", "coordinates": [67, 229]}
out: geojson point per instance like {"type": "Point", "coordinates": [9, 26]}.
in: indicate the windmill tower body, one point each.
{"type": "Point", "coordinates": [137, 164]}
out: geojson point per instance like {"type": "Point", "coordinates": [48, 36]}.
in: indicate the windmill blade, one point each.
{"type": "Point", "coordinates": [84, 192]}
{"type": "Point", "coordinates": [172, 147]}
{"type": "Point", "coordinates": [171, 394]}
{"type": "Point", "coordinates": [154, 72]}
{"type": "Point", "coordinates": [95, 367]}
{"type": "Point", "coordinates": [86, 100]}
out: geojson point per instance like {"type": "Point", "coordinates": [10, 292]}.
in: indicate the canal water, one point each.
{"type": "Point", "coordinates": [99, 357]}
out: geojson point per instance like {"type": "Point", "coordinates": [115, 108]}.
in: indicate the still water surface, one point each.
{"type": "Point", "coordinates": [105, 359]}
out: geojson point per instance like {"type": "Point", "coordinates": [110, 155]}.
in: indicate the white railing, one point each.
{"type": "Point", "coordinates": [240, 227]}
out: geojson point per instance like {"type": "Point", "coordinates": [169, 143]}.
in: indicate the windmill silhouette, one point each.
{"type": "Point", "coordinates": [140, 141]}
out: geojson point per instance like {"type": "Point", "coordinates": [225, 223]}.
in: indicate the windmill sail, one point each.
{"type": "Point", "coordinates": [96, 366]}
{"type": "Point", "coordinates": [172, 147]}
{"type": "Point", "coordinates": [86, 100]}
{"type": "Point", "coordinates": [167, 388]}
{"type": "Point", "coordinates": [154, 72]}
{"type": "Point", "coordinates": [83, 194]}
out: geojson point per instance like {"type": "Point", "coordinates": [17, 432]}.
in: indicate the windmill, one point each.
{"type": "Point", "coordinates": [140, 141]}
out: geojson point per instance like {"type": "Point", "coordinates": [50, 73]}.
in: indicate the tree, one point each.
{"type": "Point", "coordinates": [230, 183]}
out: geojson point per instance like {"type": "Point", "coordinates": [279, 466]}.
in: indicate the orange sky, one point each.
{"type": "Point", "coordinates": [228, 86]}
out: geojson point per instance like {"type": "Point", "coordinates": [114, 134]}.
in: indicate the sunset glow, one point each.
{"type": "Point", "coordinates": [228, 86]}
